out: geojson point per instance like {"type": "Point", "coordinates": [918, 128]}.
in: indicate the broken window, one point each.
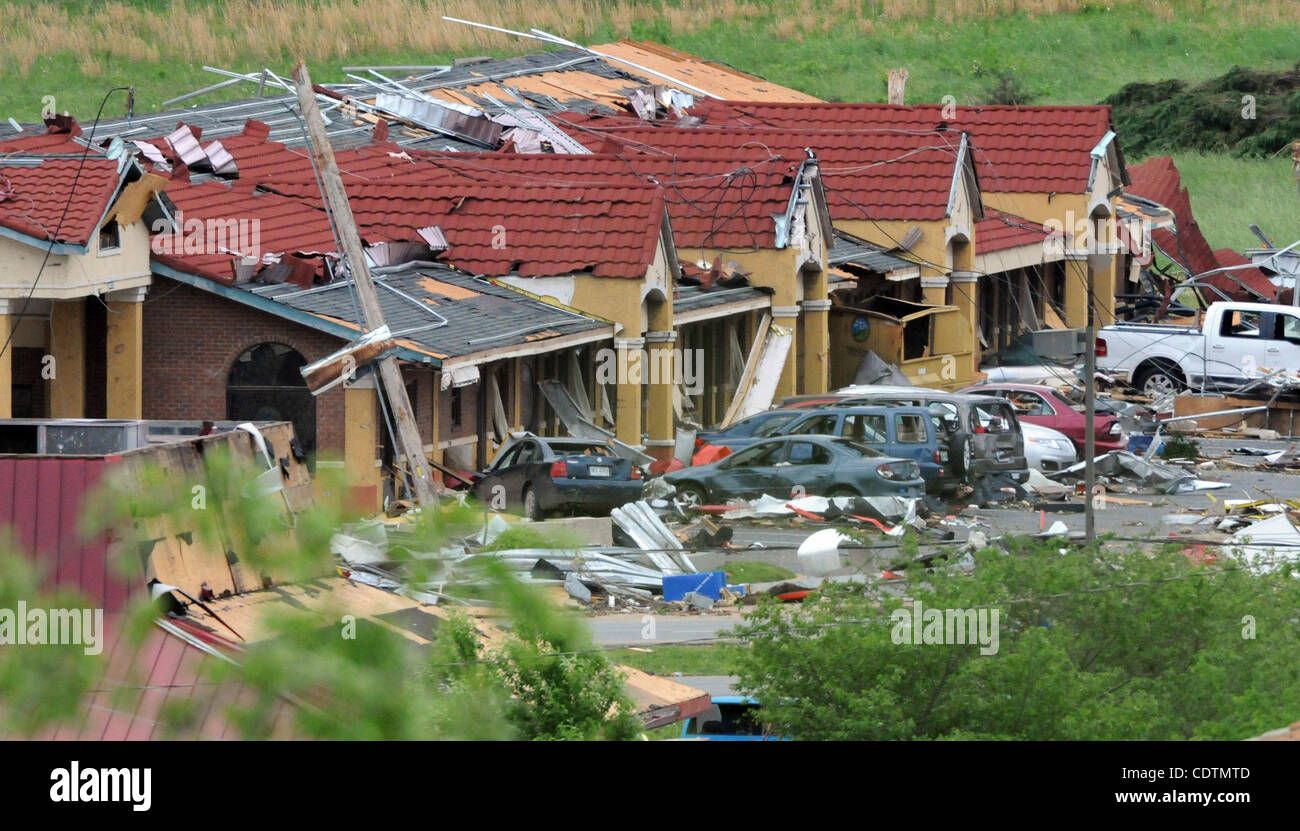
{"type": "Point", "coordinates": [110, 237]}
{"type": "Point", "coordinates": [1240, 324]}
{"type": "Point", "coordinates": [265, 384]}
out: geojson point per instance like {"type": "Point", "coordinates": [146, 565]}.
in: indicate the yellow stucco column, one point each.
{"type": "Point", "coordinates": [125, 347]}
{"type": "Point", "coordinates": [788, 316]}
{"type": "Point", "coordinates": [965, 296]}
{"type": "Point", "coordinates": [815, 366]}
{"type": "Point", "coordinates": [660, 375]}
{"type": "Point", "coordinates": [68, 348]}
{"type": "Point", "coordinates": [7, 323]}
{"type": "Point", "coordinates": [1074, 280]}
{"type": "Point", "coordinates": [361, 423]}
{"type": "Point", "coordinates": [934, 290]}
{"type": "Point", "coordinates": [627, 416]}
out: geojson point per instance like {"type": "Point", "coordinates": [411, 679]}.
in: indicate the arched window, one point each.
{"type": "Point", "coordinates": [265, 385]}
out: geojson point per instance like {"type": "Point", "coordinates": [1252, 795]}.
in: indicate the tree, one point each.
{"type": "Point", "coordinates": [1092, 643]}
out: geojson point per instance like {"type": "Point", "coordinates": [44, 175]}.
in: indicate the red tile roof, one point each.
{"type": "Point", "coordinates": [715, 200]}
{"type": "Point", "coordinates": [1158, 179]}
{"type": "Point", "coordinates": [40, 201]}
{"type": "Point", "coordinates": [276, 224]}
{"type": "Point", "coordinates": [607, 228]}
{"type": "Point", "coordinates": [530, 230]}
{"type": "Point", "coordinates": [1000, 231]}
{"type": "Point", "coordinates": [1016, 149]}
{"type": "Point", "coordinates": [876, 175]}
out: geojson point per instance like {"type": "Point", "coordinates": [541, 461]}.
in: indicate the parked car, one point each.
{"type": "Point", "coordinates": [1043, 405]}
{"type": "Point", "coordinates": [547, 475]}
{"type": "Point", "coordinates": [1234, 343]}
{"type": "Point", "coordinates": [1047, 449]}
{"type": "Point", "coordinates": [901, 432]}
{"type": "Point", "coordinates": [983, 434]}
{"type": "Point", "coordinates": [811, 465]}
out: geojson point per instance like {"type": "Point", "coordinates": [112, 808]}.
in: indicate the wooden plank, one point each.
{"type": "Point", "coordinates": [751, 369]}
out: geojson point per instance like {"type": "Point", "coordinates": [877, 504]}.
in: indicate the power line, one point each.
{"type": "Point", "coordinates": [72, 193]}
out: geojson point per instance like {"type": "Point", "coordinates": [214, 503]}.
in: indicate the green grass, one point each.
{"type": "Point", "coordinates": [751, 572]}
{"type": "Point", "coordinates": [829, 48]}
{"type": "Point", "coordinates": [834, 49]}
{"type": "Point", "coordinates": [714, 659]}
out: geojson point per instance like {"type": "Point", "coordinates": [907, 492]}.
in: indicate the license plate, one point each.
{"type": "Point", "coordinates": [598, 470]}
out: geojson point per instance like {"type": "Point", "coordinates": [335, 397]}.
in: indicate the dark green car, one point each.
{"type": "Point", "coordinates": [798, 466]}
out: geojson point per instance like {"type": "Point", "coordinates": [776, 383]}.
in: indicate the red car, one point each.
{"type": "Point", "coordinates": [1040, 404]}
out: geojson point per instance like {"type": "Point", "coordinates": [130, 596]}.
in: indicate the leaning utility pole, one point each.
{"type": "Point", "coordinates": [410, 447]}
{"type": "Point", "coordinates": [1094, 262]}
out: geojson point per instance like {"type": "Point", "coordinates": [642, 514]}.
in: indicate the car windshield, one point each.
{"type": "Point", "coordinates": [774, 424]}
{"type": "Point", "coordinates": [854, 448]}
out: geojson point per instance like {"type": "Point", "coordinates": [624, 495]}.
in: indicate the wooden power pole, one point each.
{"type": "Point", "coordinates": [1095, 263]}
{"type": "Point", "coordinates": [410, 447]}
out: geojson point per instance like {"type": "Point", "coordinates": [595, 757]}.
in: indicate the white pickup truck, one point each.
{"type": "Point", "coordinates": [1234, 343]}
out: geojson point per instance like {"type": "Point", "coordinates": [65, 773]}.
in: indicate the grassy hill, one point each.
{"type": "Point", "coordinates": [1043, 51]}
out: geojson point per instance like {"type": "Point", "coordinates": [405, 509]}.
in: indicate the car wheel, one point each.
{"type": "Point", "coordinates": [962, 455]}
{"type": "Point", "coordinates": [841, 490]}
{"type": "Point", "coordinates": [691, 495]}
{"type": "Point", "coordinates": [533, 506]}
{"type": "Point", "coordinates": [1159, 379]}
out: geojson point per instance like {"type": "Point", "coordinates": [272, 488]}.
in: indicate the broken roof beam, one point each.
{"type": "Point", "coordinates": [546, 37]}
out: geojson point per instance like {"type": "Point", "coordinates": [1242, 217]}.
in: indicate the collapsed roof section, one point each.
{"type": "Point", "coordinates": [524, 227]}
{"type": "Point", "coordinates": [1158, 180]}
{"type": "Point", "coordinates": [448, 315]}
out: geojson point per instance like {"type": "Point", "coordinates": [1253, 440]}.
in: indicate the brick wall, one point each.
{"type": "Point", "coordinates": [192, 338]}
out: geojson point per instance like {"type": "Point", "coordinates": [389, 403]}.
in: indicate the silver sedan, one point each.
{"type": "Point", "coordinates": [1046, 449]}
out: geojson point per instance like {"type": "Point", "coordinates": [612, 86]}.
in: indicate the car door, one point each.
{"type": "Point", "coordinates": [1239, 346]}
{"type": "Point", "coordinates": [533, 462]}
{"type": "Point", "coordinates": [750, 472]}
{"type": "Point", "coordinates": [805, 469]}
{"type": "Point", "coordinates": [911, 436]}
{"type": "Point", "coordinates": [492, 487]}
{"type": "Point", "coordinates": [995, 434]}
{"type": "Point", "coordinates": [1282, 347]}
